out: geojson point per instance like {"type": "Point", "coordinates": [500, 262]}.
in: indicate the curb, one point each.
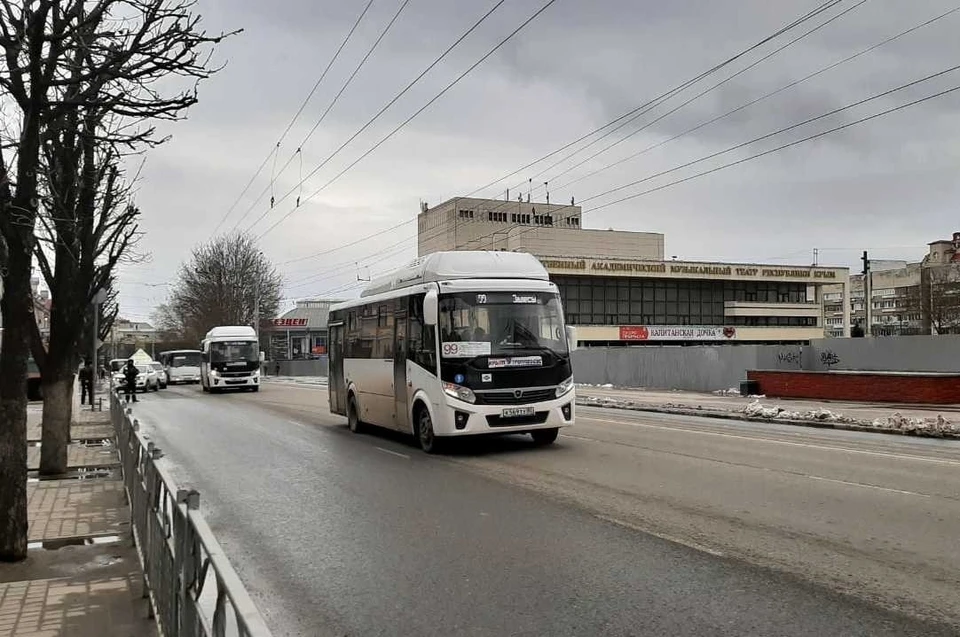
{"type": "Point", "coordinates": [814, 424]}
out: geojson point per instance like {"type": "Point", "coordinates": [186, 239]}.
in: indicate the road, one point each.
{"type": "Point", "coordinates": [632, 524]}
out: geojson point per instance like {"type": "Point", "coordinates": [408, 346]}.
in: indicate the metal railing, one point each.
{"type": "Point", "coordinates": [193, 589]}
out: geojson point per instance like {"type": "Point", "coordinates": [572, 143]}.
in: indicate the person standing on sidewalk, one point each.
{"type": "Point", "coordinates": [130, 376]}
{"type": "Point", "coordinates": [86, 382]}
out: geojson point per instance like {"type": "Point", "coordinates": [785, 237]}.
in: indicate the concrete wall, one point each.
{"type": "Point", "coordinates": [709, 368]}
{"type": "Point", "coordinates": [893, 353]}
{"type": "Point", "coordinates": [315, 367]}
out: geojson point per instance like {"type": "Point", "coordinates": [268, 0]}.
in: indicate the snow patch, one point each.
{"type": "Point", "coordinates": [923, 426]}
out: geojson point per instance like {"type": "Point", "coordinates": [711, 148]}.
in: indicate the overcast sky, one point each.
{"type": "Point", "coordinates": [888, 185]}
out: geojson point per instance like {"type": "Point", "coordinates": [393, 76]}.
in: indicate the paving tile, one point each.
{"type": "Point", "coordinates": [81, 606]}
{"type": "Point", "coordinates": [79, 456]}
{"type": "Point", "coordinates": [67, 509]}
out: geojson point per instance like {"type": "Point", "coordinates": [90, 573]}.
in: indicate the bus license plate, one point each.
{"type": "Point", "coordinates": [515, 412]}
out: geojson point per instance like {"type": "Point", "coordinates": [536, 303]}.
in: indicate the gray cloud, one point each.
{"type": "Point", "coordinates": [888, 185]}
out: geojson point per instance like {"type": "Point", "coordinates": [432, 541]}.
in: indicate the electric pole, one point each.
{"type": "Point", "coordinates": [867, 294]}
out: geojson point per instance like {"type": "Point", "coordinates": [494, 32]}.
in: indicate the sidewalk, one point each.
{"type": "Point", "coordinates": [924, 420]}
{"type": "Point", "coordinates": [82, 576]}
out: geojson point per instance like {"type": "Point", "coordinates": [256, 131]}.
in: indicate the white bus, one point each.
{"type": "Point", "coordinates": [181, 365]}
{"type": "Point", "coordinates": [504, 352]}
{"type": "Point", "coordinates": [230, 359]}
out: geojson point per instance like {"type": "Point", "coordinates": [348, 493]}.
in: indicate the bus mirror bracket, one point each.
{"type": "Point", "coordinates": [571, 337]}
{"type": "Point", "coordinates": [431, 308]}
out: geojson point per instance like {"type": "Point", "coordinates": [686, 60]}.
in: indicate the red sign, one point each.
{"type": "Point", "coordinates": [675, 333]}
{"type": "Point", "coordinates": [289, 322]}
{"type": "Point", "coordinates": [319, 350]}
{"type": "Point", "coordinates": [633, 333]}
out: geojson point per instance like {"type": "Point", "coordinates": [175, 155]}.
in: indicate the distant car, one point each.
{"type": "Point", "coordinates": [161, 374]}
{"type": "Point", "coordinates": [147, 378]}
{"type": "Point", "coordinates": [151, 380]}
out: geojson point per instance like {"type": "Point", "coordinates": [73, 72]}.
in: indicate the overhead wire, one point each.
{"type": "Point", "coordinates": [779, 49]}
{"type": "Point", "coordinates": [527, 228]}
{"type": "Point", "coordinates": [800, 20]}
{"type": "Point", "coordinates": [293, 120]}
{"type": "Point", "coordinates": [810, 14]}
{"type": "Point", "coordinates": [698, 95]}
{"type": "Point", "coordinates": [322, 117]}
{"type": "Point", "coordinates": [389, 135]}
{"type": "Point", "coordinates": [404, 91]}
{"type": "Point", "coordinates": [757, 100]}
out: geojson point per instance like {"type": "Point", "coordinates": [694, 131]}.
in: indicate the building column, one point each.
{"type": "Point", "coordinates": [846, 307]}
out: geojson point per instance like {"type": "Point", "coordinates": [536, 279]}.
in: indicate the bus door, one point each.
{"type": "Point", "coordinates": [400, 413]}
{"type": "Point", "coordinates": [336, 387]}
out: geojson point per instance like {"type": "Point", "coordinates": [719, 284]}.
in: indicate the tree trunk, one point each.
{"type": "Point", "coordinates": [57, 413]}
{"type": "Point", "coordinates": [16, 305]}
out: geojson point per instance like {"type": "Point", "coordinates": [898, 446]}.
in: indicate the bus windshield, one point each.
{"type": "Point", "coordinates": [485, 323]}
{"type": "Point", "coordinates": [187, 359]}
{"type": "Point", "coordinates": [232, 351]}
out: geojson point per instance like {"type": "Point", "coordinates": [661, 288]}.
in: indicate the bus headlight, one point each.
{"type": "Point", "coordinates": [565, 387]}
{"type": "Point", "coordinates": [463, 393]}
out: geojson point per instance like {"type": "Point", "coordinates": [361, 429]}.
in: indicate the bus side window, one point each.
{"type": "Point", "coordinates": [420, 337]}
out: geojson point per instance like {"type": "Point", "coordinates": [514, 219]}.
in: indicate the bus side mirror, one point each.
{"type": "Point", "coordinates": [431, 308]}
{"type": "Point", "coordinates": [263, 357]}
{"type": "Point", "coordinates": [571, 337]}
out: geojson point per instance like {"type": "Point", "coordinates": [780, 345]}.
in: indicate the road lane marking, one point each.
{"type": "Point", "coordinates": [393, 453]}
{"type": "Point", "coordinates": [882, 454]}
{"type": "Point", "coordinates": [797, 474]}
{"type": "Point", "coordinates": [669, 538]}
{"type": "Point", "coordinates": [868, 486]}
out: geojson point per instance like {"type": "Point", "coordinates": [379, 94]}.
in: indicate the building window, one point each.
{"type": "Point", "coordinates": [466, 214]}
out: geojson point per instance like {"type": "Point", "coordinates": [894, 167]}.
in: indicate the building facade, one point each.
{"type": "Point", "coordinates": [617, 288]}
{"type": "Point", "coordinates": [298, 334]}
{"type": "Point", "coordinates": [905, 298]}
{"type": "Point", "coordinates": [895, 305]}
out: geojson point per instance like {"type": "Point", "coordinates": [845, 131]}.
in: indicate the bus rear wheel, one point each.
{"type": "Point", "coordinates": [545, 436]}
{"type": "Point", "coordinates": [353, 416]}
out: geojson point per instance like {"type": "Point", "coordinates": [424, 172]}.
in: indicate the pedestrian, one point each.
{"type": "Point", "coordinates": [277, 367]}
{"type": "Point", "coordinates": [86, 382]}
{"type": "Point", "coordinates": [130, 376]}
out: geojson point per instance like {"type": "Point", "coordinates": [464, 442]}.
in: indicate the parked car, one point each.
{"type": "Point", "coordinates": [161, 374]}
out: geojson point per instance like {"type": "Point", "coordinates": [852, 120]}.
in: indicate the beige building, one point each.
{"type": "Point", "coordinates": [894, 306]}
{"type": "Point", "coordinates": [617, 289]}
{"type": "Point", "coordinates": [905, 298]}
{"type": "Point", "coordinates": [465, 223]}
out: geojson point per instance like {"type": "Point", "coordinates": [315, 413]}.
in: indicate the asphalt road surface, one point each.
{"type": "Point", "coordinates": [631, 524]}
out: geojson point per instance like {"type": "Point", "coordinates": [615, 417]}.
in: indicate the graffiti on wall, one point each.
{"type": "Point", "coordinates": [789, 357]}
{"type": "Point", "coordinates": [829, 358]}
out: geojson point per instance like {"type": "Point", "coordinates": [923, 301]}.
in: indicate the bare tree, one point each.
{"type": "Point", "coordinates": [85, 78]}
{"type": "Point", "coordinates": [33, 49]}
{"type": "Point", "coordinates": [89, 227]}
{"type": "Point", "coordinates": [227, 282]}
{"type": "Point", "coordinates": [942, 298]}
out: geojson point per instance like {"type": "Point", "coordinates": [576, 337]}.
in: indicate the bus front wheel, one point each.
{"type": "Point", "coordinates": [425, 435]}
{"type": "Point", "coordinates": [353, 416]}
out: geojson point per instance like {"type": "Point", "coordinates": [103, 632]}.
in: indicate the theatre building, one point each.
{"type": "Point", "coordinates": [618, 288]}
